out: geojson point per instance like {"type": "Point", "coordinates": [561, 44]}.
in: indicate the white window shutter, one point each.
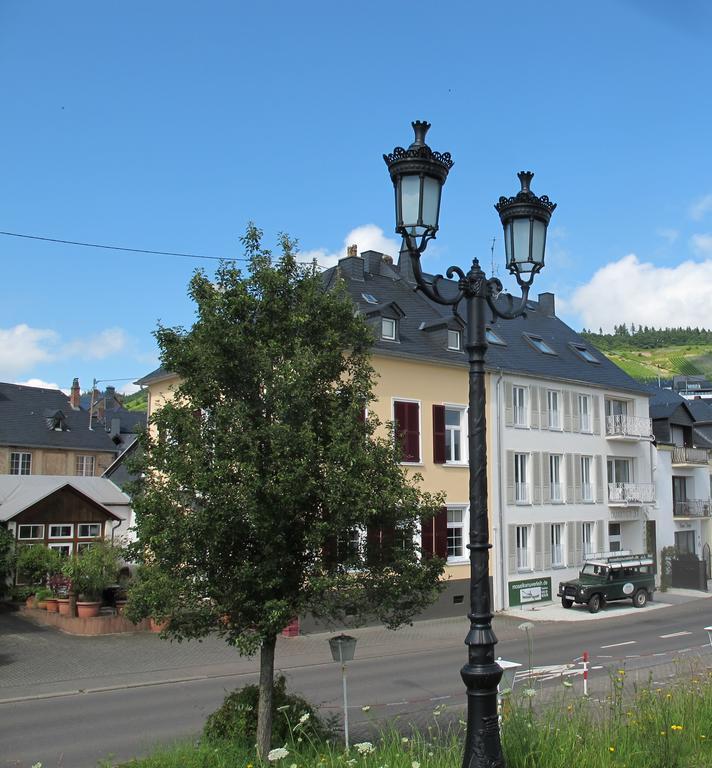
{"type": "Point", "coordinates": [578, 555]}
{"type": "Point", "coordinates": [569, 478]}
{"type": "Point", "coordinates": [547, 545]}
{"type": "Point", "coordinates": [577, 478]}
{"type": "Point", "coordinates": [568, 421]}
{"type": "Point", "coordinates": [534, 407]}
{"type": "Point", "coordinates": [510, 477]}
{"type": "Point", "coordinates": [512, 547]}
{"type": "Point", "coordinates": [596, 414]}
{"type": "Point", "coordinates": [546, 478]}
{"type": "Point", "coordinates": [600, 543]}
{"type": "Point", "coordinates": [575, 409]}
{"type": "Point", "coordinates": [571, 544]}
{"type": "Point", "coordinates": [508, 404]}
{"type": "Point", "coordinates": [536, 478]}
{"type": "Point", "coordinates": [539, 547]}
{"type": "Point", "coordinates": [544, 408]}
{"type": "Point", "coordinates": [599, 479]}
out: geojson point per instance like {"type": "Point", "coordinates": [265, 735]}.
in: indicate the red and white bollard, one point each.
{"type": "Point", "coordinates": [585, 673]}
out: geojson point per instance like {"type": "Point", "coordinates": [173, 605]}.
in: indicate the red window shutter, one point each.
{"type": "Point", "coordinates": [440, 526]}
{"type": "Point", "coordinates": [407, 418]}
{"type": "Point", "coordinates": [427, 536]}
{"type": "Point", "coordinates": [439, 434]}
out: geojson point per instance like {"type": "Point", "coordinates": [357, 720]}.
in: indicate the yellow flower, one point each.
{"type": "Point", "coordinates": [611, 749]}
{"type": "Point", "coordinates": [703, 737]}
{"type": "Point", "coordinates": [663, 733]}
{"type": "Point", "coordinates": [668, 695]}
{"type": "Point", "coordinates": [621, 671]}
{"type": "Point", "coordinates": [675, 727]}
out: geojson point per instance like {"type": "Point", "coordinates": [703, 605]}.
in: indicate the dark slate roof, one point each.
{"type": "Point", "coordinates": [518, 356]}
{"type": "Point", "coordinates": [701, 410]}
{"type": "Point", "coordinates": [157, 375]}
{"type": "Point", "coordinates": [23, 421]}
{"type": "Point", "coordinates": [664, 402]}
{"type": "Point", "coordinates": [119, 472]}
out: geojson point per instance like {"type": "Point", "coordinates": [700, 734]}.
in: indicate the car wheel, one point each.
{"type": "Point", "coordinates": [640, 598]}
{"type": "Point", "coordinates": [566, 602]}
{"type": "Point", "coordinates": [594, 604]}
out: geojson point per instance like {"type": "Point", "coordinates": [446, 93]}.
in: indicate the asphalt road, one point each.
{"type": "Point", "coordinates": [76, 730]}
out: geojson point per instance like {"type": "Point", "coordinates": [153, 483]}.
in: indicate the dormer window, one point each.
{"type": "Point", "coordinates": [493, 338]}
{"type": "Point", "coordinates": [539, 344]}
{"type": "Point", "coordinates": [584, 352]}
{"type": "Point", "coordinates": [389, 328]}
{"type": "Point", "coordinates": [454, 340]}
{"type": "Point", "coordinates": [56, 421]}
{"type": "Point", "coordinates": [369, 298]}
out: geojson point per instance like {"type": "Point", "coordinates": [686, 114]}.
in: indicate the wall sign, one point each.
{"type": "Point", "coordinates": [529, 591]}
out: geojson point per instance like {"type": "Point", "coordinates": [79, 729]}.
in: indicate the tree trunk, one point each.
{"type": "Point", "coordinates": [72, 604]}
{"type": "Point", "coordinates": [264, 709]}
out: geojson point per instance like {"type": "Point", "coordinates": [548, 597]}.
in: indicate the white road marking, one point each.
{"type": "Point", "coordinates": [674, 634]}
{"type": "Point", "coordinates": [396, 703]}
{"type": "Point", "coordinates": [439, 698]}
{"type": "Point", "coordinates": [604, 656]}
{"type": "Point", "coordinates": [617, 645]}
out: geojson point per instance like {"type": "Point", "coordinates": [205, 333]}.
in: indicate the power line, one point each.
{"type": "Point", "coordinates": [130, 250]}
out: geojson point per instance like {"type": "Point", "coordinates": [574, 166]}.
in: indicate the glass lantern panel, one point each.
{"type": "Point", "coordinates": [538, 241]}
{"type": "Point", "coordinates": [508, 242]}
{"type": "Point", "coordinates": [410, 201]}
{"type": "Point", "coordinates": [431, 202]}
{"type": "Point", "coordinates": [520, 234]}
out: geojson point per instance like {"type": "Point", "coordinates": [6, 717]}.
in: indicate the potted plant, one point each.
{"type": "Point", "coordinates": [59, 585]}
{"type": "Point", "coordinates": [41, 596]}
{"type": "Point", "coordinates": [90, 571]}
{"type": "Point", "coordinates": [34, 564]}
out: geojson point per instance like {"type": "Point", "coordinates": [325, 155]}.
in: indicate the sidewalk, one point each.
{"type": "Point", "coordinates": [36, 661]}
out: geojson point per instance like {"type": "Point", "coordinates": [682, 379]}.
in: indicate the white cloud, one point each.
{"type": "Point", "coordinates": [701, 244]}
{"type": "Point", "coordinates": [40, 383]}
{"type": "Point", "coordinates": [668, 234]}
{"type": "Point", "coordinates": [631, 291]}
{"type": "Point", "coordinates": [368, 237]}
{"type": "Point", "coordinates": [700, 208]}
{"type": "Point", "coordinates": [22, 347]}
{"type": "Point", "coordinates": [97, 347]}
{"type": "Point", "coordinates": [128, 389]}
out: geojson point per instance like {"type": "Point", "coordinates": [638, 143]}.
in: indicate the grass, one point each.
{"type": "Point", "coordinates": [663, 362]}
{"type": "Point", "coordinates": [646, 727]}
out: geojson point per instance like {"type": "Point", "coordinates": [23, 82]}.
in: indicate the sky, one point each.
{"type": "Point", "coordinates": [169, 125]}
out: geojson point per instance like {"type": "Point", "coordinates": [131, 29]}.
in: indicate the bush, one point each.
{"type": "Point", "coordinates": [20, 594]}
{"type": "Point", "coordinates": [236, 720]}
{"type": "Point", "coordinates": [36, 563]}
{"type": "Point", "coordinates": [93, 569]}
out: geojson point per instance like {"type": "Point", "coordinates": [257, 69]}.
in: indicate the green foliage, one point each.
{"type": "Point", "coordinates": [138, 401]}
{"type": "Point", "coordinates": [20, 594]}
{"type": "Point", "coordinates": [37, 563]}
{"type": "Point", "coordinates": [93, 569]}
{"type": "Point", "coordinates": [7, 557]}
{"type": "Point", "coordinates": [43, 593]}
{"type": "Point", "coordinates": [255, 473]}
{"type": "Point", "coordinates": [236, 719]}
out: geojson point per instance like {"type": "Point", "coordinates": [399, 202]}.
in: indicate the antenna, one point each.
{"type": "Point", "coordinates": [494, 266]}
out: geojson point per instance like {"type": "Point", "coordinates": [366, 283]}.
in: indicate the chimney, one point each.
{"type": "Point", "coordinates": [352, 266]}
{"type": "Point", "coordinates": [372, 262]}
{"type": "Point", "coordinates": [351, 250]}
{"type": "Point", "coordinates": [547, 305]}
{"type": "Point", "coordinates": [74, 395]}
{"type": "Point", "coordinates": [110, 398]}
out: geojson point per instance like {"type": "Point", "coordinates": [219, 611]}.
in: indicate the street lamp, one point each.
{"type": "Point", "coordinates": [418, 175]}
{"type": "Point", "coordinates": [343, 648]}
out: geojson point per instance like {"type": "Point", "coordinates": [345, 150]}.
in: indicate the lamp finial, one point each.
{"type": "Point", "coordinates": [420, 127]}
{"type": "Point", "coordinates": [525, 179]}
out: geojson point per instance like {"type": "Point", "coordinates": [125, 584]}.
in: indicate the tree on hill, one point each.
{"type": "Point", "coordinates": [265, 491]}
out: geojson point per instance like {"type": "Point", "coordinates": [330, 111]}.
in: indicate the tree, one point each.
{"type": "Point", "coordinates": [259, 475]}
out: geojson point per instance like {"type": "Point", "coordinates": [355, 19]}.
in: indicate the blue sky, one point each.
{"type": "Point", "coordinates": [169, 125]}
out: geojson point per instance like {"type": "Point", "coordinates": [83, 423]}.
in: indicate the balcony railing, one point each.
{"type": "Point", "coordinates": [692, 508]}
{"type": "Point", "coordinates": [628, 426]}
{"type": "Point", "coordinates": [631, 493]}
{"type": "Point", "coordinates": [690, 455]}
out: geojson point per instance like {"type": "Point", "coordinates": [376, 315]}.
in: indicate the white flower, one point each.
{"type": "Point", "coordinates": [530, 692]}
{"type": "Point", "coordinates": [293, 765]}
{"type": "Point", "coordinates": [304, 718]}
{"type": "Point", "coordinates": [277, 754]}
{"type": "Point", "coordinates": [526, 626]}
{"type": "Point", "coordinates": [37, 765]}
{"type": "Point", "coordinates": [364, 748]}
{"type": "Point", "coordinates": [404, 740]}
{"type": "Point", "coordinates": [351, 762]}
{"type": "Point", "coordinates": [568, 684]}
{"type": "Point", "coordinates": [366, 708]}
{"type": "Point", "coordinates": [415, 764]}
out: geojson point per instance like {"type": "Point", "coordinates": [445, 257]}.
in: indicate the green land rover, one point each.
{"type": "Point", "coordinates": [610, 576]}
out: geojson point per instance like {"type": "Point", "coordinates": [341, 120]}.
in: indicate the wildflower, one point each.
{"type": "Point", "coordinates": [304, 718]}
{"type": "Point", "coordinates": [568, 684]}
{"type": "Point", "coordinates": [37, 765]}
{"type": "Point", "coordinates": [293, 765]}
{"type": "Point", "coordinates": [415, 764]}
{"type": "Point", "coordinates": [364, 748]}
{"type": "Point", "coordinates": [663, 733]}
{"type": "Point", "coordinates": [675, 727]}
{"type": "Point", "coordinates": [621, 672]}
{"type": "Point", "coordinates": [703, 737]}
{"type": "Point", "coordinates": [430, 754]}
{"type": "Point", "coordinates": [404, 740]}
{"type": "Point", "coordinates": [283, 708]}
{"type": "Point", "coordinates": [611, 749]}
{"type": "Point", "coordinates": [366, 708]}
{"type": "Point", "coordinates": [299, 738]}
{"type": "Point", "coordinates": [668, 695]}
{"type": "Point", "coordinates": [277, 754]}
{"type": "Point", "coordinates": [526, 626]}
{"type": "Point", "coordinates": [351, 762]}
{"type": "Point", "coordinates": [530, 692]}
{"type": "Point", "coordinates": [462, 722]}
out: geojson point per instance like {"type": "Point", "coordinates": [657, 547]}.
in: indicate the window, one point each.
{"type": "Point", "coordinates": [493, 338]}
{"type": "Point", "coordinates": [65, 550]}
{"type": "Point", "coordinates": [388, 329]}
{"type": "Point", "coordinates": [619, 471]}
{"type": "Point", "coordinates": [552, 400]}
{"type": "Point", "coordinates": [61, 531]}
{"type": "Point", "coordinates": [557, 549]}
{"type": "Point", "coordinates": [88, 530]}
{"type": "Point", "coordinates": [523, 537]}
{"type": "Point", "coordinates": [348, 545]}
{"type": "Point", "coordinates": [584, 413]}
{"type": "Point", "coordinates": [583, 352]}
{"type": "Point", "coordinates": [82, 545]}
{"type": "Point", "coordinates": [616, 408]}
{"type": "Point", "coordinates": [521, 490]}
{"type": "Point", "coordinates": [555, 477]}
{"type": "Point", "coordinates": [587, 533]}
{"type": "Point", "coordinates": [614, 537]}
{"type": "Point", "coordinates": [30, 531]}
{"type": "Point", "coordinates": [586, 484]}
{"type": "Point", "coordinates": [454, 340]}
{"type": "Point", "coordinates": [407, 429]}
{"type": "Point", "coordinates": [369, 298]}
{"type": "Point", "coordinates": [679, 488]}
{"type": "Point", "coordinates": [454, 418]}
{"type": "Point", "coordinates": [455, 532]}
{"type": "Point", "coordinates": [20, 463]}
{"type": "Point", "coordinates": [519, 404]}
{"type": "Point", "coordinates": [685, 542]}
{"type": "Point", "coordinates": [84, 466]}
{"type": "Point", "coordinates": [538, 343]}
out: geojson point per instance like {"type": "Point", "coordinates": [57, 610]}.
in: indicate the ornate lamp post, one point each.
{"type": "Point", "coordinates": [418, 176]}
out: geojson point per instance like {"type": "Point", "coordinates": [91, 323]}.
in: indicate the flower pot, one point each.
{"type": "Point", "coordinates": [30, 602]}
{"type": "Point", "coordinates": [41, 604]}
{"type": "Point", "coordinates": [120, 607]}
{"type": "Point", "coordinates": [51, 605]}
{"type": "Point", "coordinates": [292, 629]}
{"type": "Point", "coordinates": [87, 609]}
{"type": "Point", "coordinates": [157, 626]}
{"type": "Point", "coordinates": [63, 606]}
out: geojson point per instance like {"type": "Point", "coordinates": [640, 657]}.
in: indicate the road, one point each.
{"type": "Point", "coordinates": [74, 730]}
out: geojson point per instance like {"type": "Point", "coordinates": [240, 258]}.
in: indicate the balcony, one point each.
{"type": "Point", "coordinates": [628, 428]}
{"type": "Point", "coordinates": [692, 508]}
{"type": "Point", "coordinates": [689, 457]}
{"type": "Point", "coordinates": [630, 494]}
